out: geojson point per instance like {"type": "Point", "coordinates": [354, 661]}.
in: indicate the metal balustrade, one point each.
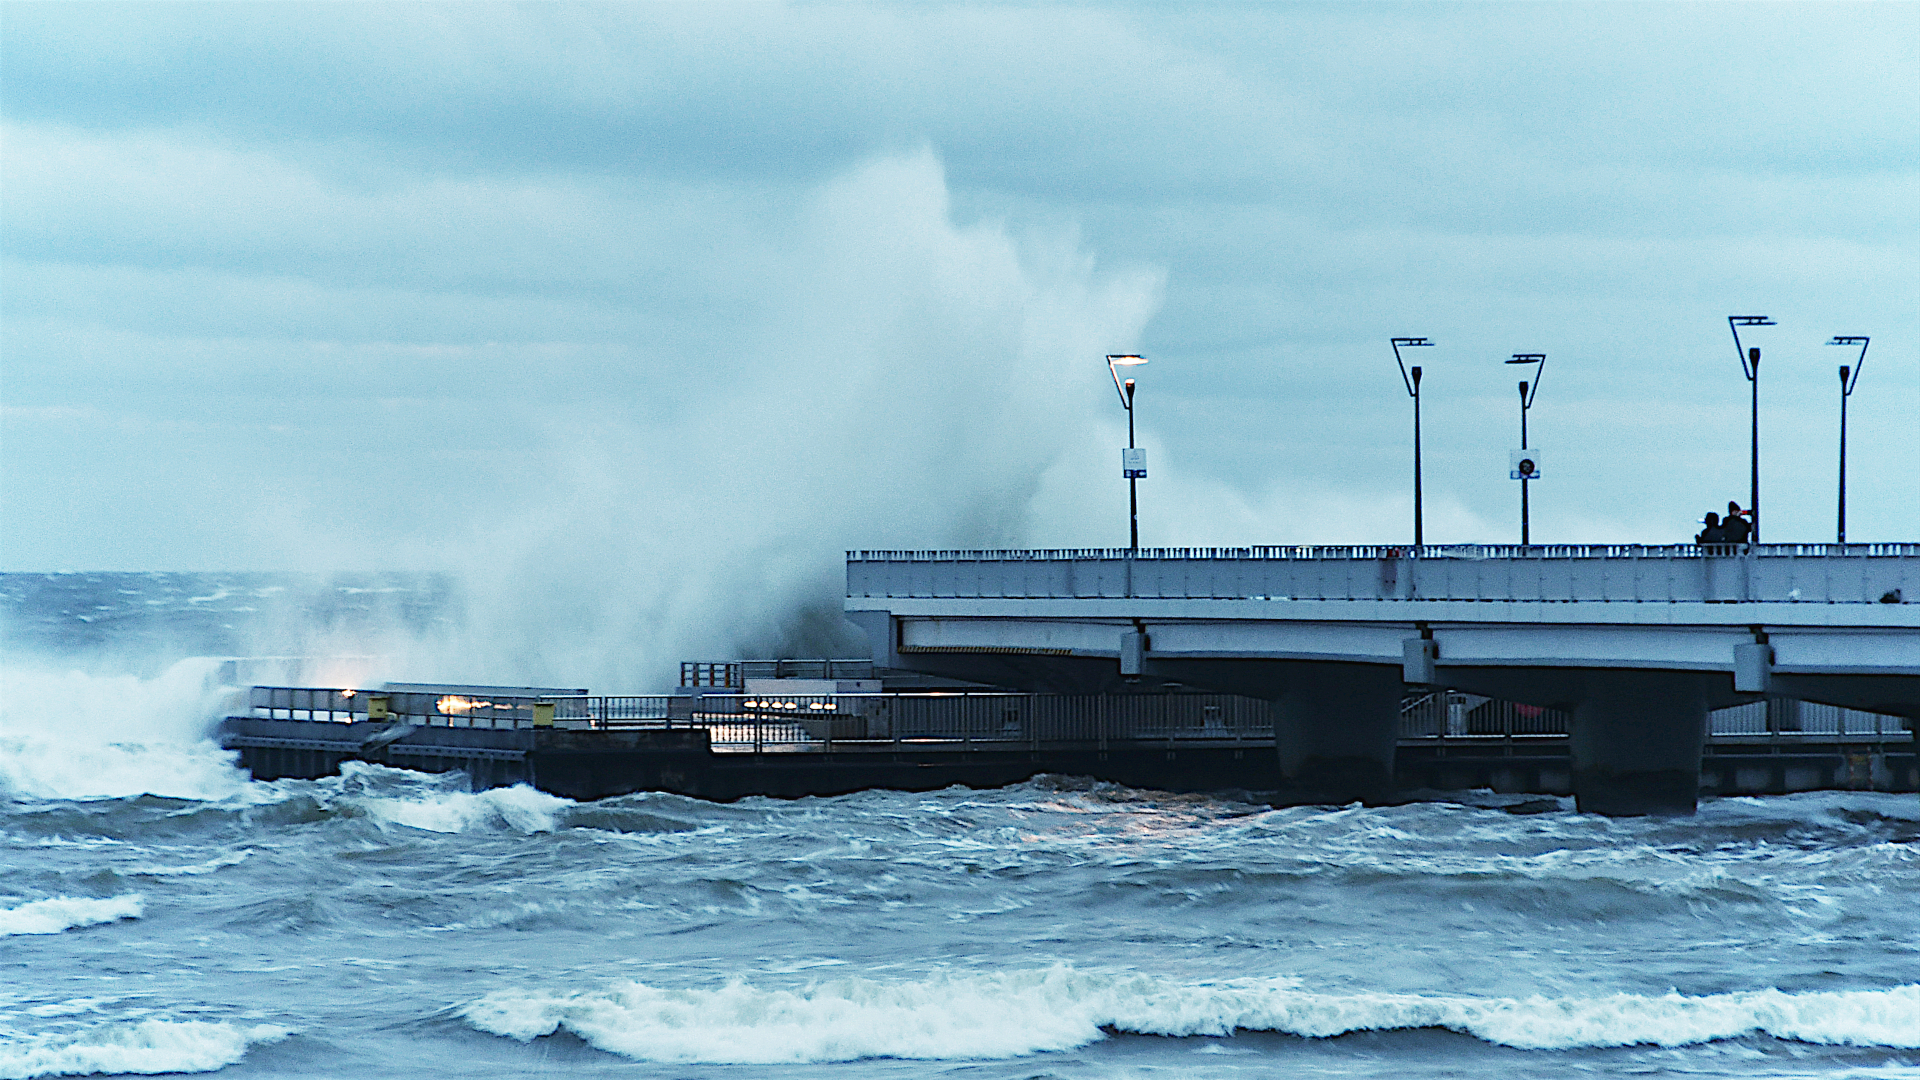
{"type": "Point", "coordinates": [1452, 714]}
{"type": "Point", "coordinates": [1721, 573]}
{"type": "Point", "coordinates": [735, 673]}
{"type": "Point", "coordinates": [1294, 553]}
{"type": "Point", "coordinates": [735, 720]}
{"type": "Point", "coordinates": [931, 720]}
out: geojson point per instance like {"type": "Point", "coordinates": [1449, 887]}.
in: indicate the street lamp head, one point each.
{"type": "Point", "coordinates": [1539, 360]}
{"type": "Point", "coordinates": [1116, 361]}
{"type": "Point", "coordinates": [1858, 365]}
{"type": "Point", "coordinates": [1412, 383]}
{"type": "Point", "coordinates": [1749, 358]}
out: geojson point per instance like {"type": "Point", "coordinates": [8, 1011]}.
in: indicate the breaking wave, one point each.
{"type": "Point", "coordinates": [515, 809]}
{"type": "Point", "coordinates": [58, 913]}
{"type": "Point", "coordinates": [144, 1047]}
{"type": "Point", "coordinates": [72, 735]}
{"type": "Point", "coordinates": [1011, 1014]}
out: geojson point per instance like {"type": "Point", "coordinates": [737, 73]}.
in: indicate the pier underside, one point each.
{"type": "Point", "coordinates": [1635, 743]}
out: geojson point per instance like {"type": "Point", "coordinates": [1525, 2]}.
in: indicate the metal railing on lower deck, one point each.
{"type": "Point", "coordinates": [934, 719]}
{"type": "Point", "coordinates": [928, 720]}
{"type": "Point", "coordinates": [1788, 720]}
{"type": "Point", "coordinates": [1451, 714]}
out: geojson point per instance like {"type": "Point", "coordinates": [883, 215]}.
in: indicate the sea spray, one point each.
{"type": "Point", "coordinates": [68, 734]}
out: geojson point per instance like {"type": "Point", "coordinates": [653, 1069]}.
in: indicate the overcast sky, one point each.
{"type": "Point", "coordinates": [656, 309]}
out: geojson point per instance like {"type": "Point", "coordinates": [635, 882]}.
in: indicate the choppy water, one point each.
{"type": "Point", "coordinates": [384, 924]}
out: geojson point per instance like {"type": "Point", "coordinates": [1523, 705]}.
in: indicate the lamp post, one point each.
{"type": "Point", "coordinates": [1133, 463]}
{"type": "Point", "coordinates": [1849, 378]}
{"type": "Point", "coordinates": [1527, 392]}
{"type": "Point", "coordinates": [1750, 363]}
{"type": "Point", "coordinates": [1411, 379]}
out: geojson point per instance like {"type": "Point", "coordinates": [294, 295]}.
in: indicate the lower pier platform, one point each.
{"type": "Point", "coordinates": [597, 764]}
{"type": "Point", "coordinates": [782, 759]}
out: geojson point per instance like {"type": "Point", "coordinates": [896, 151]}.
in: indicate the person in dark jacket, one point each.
{"type": "Point", "coordinates": [1736, 527]}
{"type": "Point", "coordinates": [1713, 533]}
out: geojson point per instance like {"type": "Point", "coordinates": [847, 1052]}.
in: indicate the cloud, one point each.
{"type": "Point", "coordinates": [346, 279]}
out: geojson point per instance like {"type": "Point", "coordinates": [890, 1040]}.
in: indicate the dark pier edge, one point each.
{"type": "Point", "coordinates": [1636, 742]}
{"type": "Point", "coordinates": [586, 765]}
{"type": "Point", "coordinates": [1335, 730]}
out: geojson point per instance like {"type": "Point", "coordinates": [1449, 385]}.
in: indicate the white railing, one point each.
{"type": "Point", "coordinates": [1396, 551]}
{"type": "Point", "coordinates": [1685, 573]}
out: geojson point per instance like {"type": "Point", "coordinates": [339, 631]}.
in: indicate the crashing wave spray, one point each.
{"type": "Point", "coordinates": [897, 380]}
{"type": "Point", "coordinates": [75, 735]}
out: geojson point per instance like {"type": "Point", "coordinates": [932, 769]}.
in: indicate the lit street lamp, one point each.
{"type": "Point", "coordinates": [1849, 378]}
{"type": "Point", "coordinates": [1133, 461]}
{"type": "Point", "coordinates": [1750, 363]}
{"type": "Point", "coordinates": [1525, 469]}
{"type": "Point", "coordinates": [1411, 379]}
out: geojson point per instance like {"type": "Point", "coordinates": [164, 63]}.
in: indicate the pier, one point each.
{"type": "Point", "coordinates": [1633, 678]}
{"type": "Point", "coordinates": [1637, 645]}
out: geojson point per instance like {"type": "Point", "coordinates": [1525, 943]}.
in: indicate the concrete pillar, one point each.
{"type": "Point", "coordinates": [1335, 727]}
{"type": "Point", "coordinates": [1636, 742]}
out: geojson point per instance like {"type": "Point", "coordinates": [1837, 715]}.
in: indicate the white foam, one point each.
{"type": "Point", "coordinates": [72, 735]}
{"type": "Point", "coordinates": [999, 1015]}
{"type": "Point", "coordinates": [146, 1047]}
{"type": "Point", "coordinates": [58, 913]}
{"type": "Point", "coordinates": [210, 866]}
{"type": "Point", "coordinates": [517, 809]}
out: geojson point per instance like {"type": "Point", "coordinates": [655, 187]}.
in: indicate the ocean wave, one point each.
{"type": "Point", "coordinates": [145, 1047]}
{"type": "Point", "coordinates": [1001, 1015]}
{"type": "Point", "coordinates": [58, 913]}
{"type": "Point", "coordinates": [72, 735]}
{"type": "Point", "coordinates": [514, 809]}
{"type": "Point", "coordinates": [194, 869]}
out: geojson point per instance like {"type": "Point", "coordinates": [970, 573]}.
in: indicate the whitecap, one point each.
{"type": "Point", "coordinates": [515, 809]}
{"type": "Point", "coordinates": [58, 913]}
{"type": "Point", "coordinates": [211, 865]}
{"type": "Point", "coordinates": [1009, 1014]}
{"type": "Point", "coordinates": [145, 1047]}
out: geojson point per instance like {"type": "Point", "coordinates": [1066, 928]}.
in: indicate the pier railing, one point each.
{"type": "Point", "coordinates": [1620, 573]}
{"type": "Point", "coordinates": [1451, 714]}
{"type": "Point", "coordinates": [735, 673]}
{"type": "Point", "coordinates": [737, 721]}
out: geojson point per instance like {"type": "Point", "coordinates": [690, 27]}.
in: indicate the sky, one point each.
{"type": "Point", "coordinates": [635, 317]}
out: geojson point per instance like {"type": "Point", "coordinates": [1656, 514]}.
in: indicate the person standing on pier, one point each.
{"type": "Point", "coordinates": [1736, 527]}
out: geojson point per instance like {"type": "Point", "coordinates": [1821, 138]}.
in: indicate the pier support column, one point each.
{"type": "Point", "coordinates": [1335, 727]}
{"type": "Point", "coordinates": [1636, 743]}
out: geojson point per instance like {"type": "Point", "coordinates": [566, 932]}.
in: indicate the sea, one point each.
{"type": "Point", "coordinates": [162, 913]}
